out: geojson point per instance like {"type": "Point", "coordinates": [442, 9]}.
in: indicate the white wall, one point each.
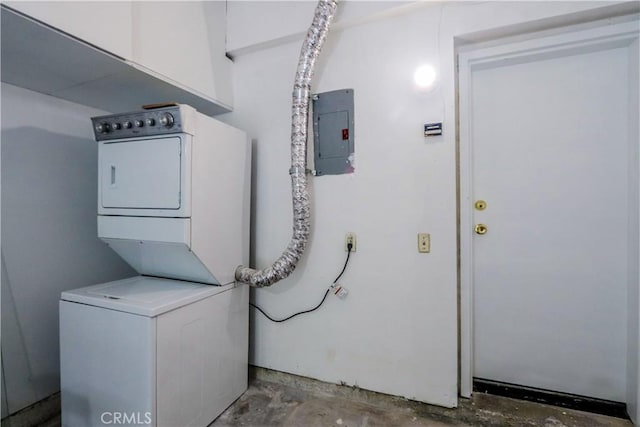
{"type": "Point", "coordinates": [397, 331]}
{"type": "Point", "coordinates": [633, 338]}
{"type": "Point", "coordinates": [49, 243]}
{"type": "Point", "coordinates": [268, 23]}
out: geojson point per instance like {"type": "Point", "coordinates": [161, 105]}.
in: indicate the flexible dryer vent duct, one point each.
{"type": "Point", "coordinates": [311, 47]}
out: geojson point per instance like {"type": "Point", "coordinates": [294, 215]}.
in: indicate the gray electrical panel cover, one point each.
{"type": "Point", "coordinates": [333, 132]}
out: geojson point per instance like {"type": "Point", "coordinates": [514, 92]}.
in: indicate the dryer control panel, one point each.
{"type": "Point", "coordinates": [159, 121]}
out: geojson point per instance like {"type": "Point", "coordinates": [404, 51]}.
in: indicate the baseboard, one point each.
{"type": "Point", "coordinates": [565, 400]}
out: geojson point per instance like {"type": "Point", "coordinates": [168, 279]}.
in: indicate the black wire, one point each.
{"type": "Point", "coordinates": [345, 264]}
{"type": "Point", "coordinates": [311, 309]}
{"type": "Point", "coordinates": [293, 315]}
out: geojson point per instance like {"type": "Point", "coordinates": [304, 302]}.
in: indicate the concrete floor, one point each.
{"type": "Point", "coordinates": [276, 399]}
{"type": "Point", "coordinates": [281, 400]}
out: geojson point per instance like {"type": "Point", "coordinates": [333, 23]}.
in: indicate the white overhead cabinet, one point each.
{"type": "Point", "coordinates": [184, 42]}
{"type": "Point", "coordinates": [118, 56]}
{"type": "Point", "coordinates": [106, 25]}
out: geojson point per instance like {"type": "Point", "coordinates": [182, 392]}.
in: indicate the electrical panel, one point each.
{"type": "Point", "coordinates": [333, 123]}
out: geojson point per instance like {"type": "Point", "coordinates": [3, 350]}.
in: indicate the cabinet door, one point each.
{"type": "Point", "coordinates": [105, 24]}
{"type": "Point", "coordinates": [184, 42]}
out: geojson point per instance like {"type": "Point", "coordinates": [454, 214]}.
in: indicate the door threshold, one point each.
{"type": "Point", "coordinates": [548, 397]}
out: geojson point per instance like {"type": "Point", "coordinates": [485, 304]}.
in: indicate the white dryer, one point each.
{"type": "Point", "coordinates": [167, 348]}
{"type": "Point", "coordinates": [173, 193]}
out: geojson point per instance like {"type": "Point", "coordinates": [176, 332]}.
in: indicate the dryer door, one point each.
{"type": "Point", "coordinates": [142, 174]}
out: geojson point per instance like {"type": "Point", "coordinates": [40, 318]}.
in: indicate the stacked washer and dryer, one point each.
{"type": "Point", "coordinates": [165, 348]}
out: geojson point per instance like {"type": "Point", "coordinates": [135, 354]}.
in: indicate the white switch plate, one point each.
{"type": "Point", "coordinates": [424, 243]}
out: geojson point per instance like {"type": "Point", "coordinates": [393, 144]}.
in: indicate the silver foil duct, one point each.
{"type": "Point", "coordinates": [311, 47]}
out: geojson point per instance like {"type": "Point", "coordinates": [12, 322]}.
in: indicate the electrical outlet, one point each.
{"type": "Point", "coordinates": [424, 242]}
{"type": "Point", "coordinates": [350, 238]}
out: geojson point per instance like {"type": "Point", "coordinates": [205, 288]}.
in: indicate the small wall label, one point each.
{"type": "Point", "coordinates": [433, 129]}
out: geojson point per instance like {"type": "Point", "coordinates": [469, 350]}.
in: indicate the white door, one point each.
{"type": "Point", "coordinates": [545, 252]}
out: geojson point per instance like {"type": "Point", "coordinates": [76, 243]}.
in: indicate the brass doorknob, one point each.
{"type": "Point", "coordinates": [481, 229]}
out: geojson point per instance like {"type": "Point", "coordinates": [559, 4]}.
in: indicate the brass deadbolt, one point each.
{"type": "Point", "coordinates": [481, 205]}
{"type": "Point", "coordinates": [481, 229]}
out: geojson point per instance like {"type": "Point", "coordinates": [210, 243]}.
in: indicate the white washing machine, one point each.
{"type": "Point", "coordinates": [169, 347]}
{"type": "Point", "coordinates": [150, 351]}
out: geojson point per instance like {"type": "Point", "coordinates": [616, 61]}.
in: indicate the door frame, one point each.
{"type": "Point", "coordinates": [576, 39]}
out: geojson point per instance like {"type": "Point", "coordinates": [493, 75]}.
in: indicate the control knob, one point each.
{"type": "Point", "coordinates": [116, 126]}
{"type": "Point", "coordinates": [103, 127]}
{"type": "Point", "coordinates": [127, 124]}
{"type": "Point", "coordinates": [139, 123]}
{"type": "Point", "coordinates": [151, 122]}
{"type": "Point", "coordinates": [166, 120]}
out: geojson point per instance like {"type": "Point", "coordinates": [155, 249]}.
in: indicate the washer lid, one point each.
{"type": "Point", "coordinates": [145, 296]}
